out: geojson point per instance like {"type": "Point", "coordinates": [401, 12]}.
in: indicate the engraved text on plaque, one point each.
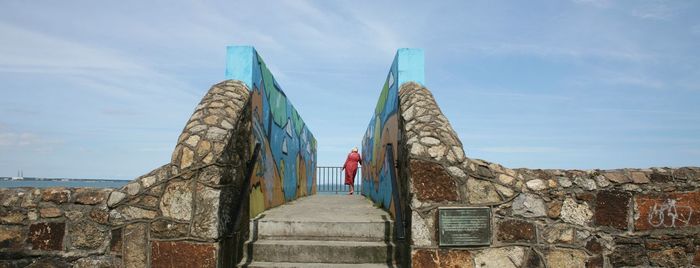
{"type": "Point", "coordinates": [464, 226]}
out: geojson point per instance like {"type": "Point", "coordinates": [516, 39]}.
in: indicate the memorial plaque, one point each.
{"type": "Point", "coordinates": [461, 226]}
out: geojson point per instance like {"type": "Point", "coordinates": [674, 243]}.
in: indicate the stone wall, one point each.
{"type": "Point", "coordinates": [179, 213]}
{"type": "Point", "coordinates": [541, 218]}
{"type": "Point", "coordinates": [184, 213]}
{"type": "Point", "coordinates": [55, 226]}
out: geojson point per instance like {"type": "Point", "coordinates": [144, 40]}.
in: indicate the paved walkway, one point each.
{"type": "Point", "coordinates": [328, 208]}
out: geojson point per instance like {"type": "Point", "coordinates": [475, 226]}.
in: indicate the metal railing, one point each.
{"type": "Point", "coordinates": [331, 180]}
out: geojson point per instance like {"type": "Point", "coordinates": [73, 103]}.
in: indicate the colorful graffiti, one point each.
{"type": "Point", "coordinates": [285, 168]}
{"type": "Point", "coordinates": [383, 128]}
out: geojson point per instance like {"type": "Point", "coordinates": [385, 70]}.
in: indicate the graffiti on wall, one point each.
{"type": "Point", "coordinates": [383, 128]}
{"type": "Point", "coordinates": [285, 168]}
{"type": "Point", "coordinates": [673, 210]}
{"type": "Point", "coordinates": [670, 215]}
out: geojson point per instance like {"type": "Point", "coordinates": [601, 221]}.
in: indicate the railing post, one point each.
{"type": "Point", "coordinates": [332, 180]}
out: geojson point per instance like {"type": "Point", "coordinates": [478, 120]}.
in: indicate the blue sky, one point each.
{"type": "Point", "coordinates": [94, 89]}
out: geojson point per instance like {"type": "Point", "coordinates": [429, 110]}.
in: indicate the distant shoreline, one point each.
{"type": "Point", "coordinates": [59, 179]}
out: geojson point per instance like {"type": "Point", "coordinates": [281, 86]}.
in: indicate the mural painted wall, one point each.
{"type": "Point", "coordinates": [285, 169]}
{"type": "Point", "coordinates": [383, 128]}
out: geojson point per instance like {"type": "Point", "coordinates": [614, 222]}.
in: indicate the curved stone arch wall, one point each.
{"type": "Point", "coordinates": [542, 218]}
{"type": "Point", "coordinates": [182, 212]}
{"type": "Point", "coordinates": [183, 206]}
{"type": "Point", "coordinates": [539, 218]}
{"type": "Point", "coordinates": [196, 192]}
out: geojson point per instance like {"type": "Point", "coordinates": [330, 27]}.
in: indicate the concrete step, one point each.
{"type": "Point", "coordinates": [340, 231]}
{"type": "Point", "coordinates": [301, 251]}
{"type": "Point", "coordinates": [315, 265]}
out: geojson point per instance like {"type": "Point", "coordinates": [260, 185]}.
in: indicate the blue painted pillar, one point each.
{"type": "Point", "coordinates": [239, 64]}
{"type": "Point", "coordinates": [411, 65]}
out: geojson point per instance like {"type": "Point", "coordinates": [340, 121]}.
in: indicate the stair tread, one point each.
{"type": "Point", "coordinates": [328, 209]}
{"type": "Point", "coordinates": [317, 230]}
{"type": "Point", "coordinates": [326, 221]}
{"type": "Point", "coordinates": [320, 242]}
{"type": "Point", "coordinates": [322, 231]}
{"type": "Point", "coordinates": [321, 251]}
{"type": "Point", "coordinates": [312, 265]}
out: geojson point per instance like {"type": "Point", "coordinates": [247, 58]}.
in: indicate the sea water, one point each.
{"type": "Point", "coordinates": [63, 183]}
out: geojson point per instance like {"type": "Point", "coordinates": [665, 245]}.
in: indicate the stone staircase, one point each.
{"type": "Point", "coordinates": [322, 231]}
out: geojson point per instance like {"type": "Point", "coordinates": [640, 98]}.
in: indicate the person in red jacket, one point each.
{"type": "Point", "coordinates": [350, 168]}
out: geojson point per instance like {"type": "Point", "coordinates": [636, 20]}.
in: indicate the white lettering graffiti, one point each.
{"type": "Point", "coordinates": [669, 214]}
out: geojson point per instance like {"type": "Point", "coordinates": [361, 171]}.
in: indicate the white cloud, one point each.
{"type": "Point", "coordinates": [654, 10]}
{"type": "Point", "coordinates": [520, 149]}
{"type": "Point", "coordinates": [555, 50]}
{"type": "Point", "coordinates": [114, 111]}
{"type": "Point", "coordinates": [508, 93]}
{"type": "Point", "coordinates": [34, 51]}
{"type": "Point", "coordinates": [163, 148]}
{"type": "Point", "coordinates": [637, 81]}
{"type": "Point", "coordinates": [93, 68]}
{"type": "Point", "coordinates": [383, 37]}
{"type": "Point", "coordinates": [595, 3]}
{"type": "Point", "coordinates": [158, 48]}
{"type": "Point", "coordinates": [675, 114]}
{"type": "Point", "coordinates": [24, 139]}
{"type": "Point", "coordinates": [695, 29]}
{"type": "Point", "coordinates": [691, 151]}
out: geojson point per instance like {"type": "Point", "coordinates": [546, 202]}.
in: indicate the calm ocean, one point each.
{"type": "Point", "coordinates": [68, 183]}
{"type": "Point", "coordinates": [322, 189]}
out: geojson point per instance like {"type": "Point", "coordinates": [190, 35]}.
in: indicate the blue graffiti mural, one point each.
{"type": "Point", "coordinates": [285, 169]}
{"type": "Point", "coordinates": [383, 127]}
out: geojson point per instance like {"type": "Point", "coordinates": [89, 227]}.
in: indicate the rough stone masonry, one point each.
{"type": "Point", "coordinates": [191, 212]}
{"type": "Point", "coordinates": [542, 218]}
{"type": "Point", "coordinates": [178, 213]}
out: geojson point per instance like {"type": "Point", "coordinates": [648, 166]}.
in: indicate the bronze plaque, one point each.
{"type": "Point", "coordinates": [461, 226]}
